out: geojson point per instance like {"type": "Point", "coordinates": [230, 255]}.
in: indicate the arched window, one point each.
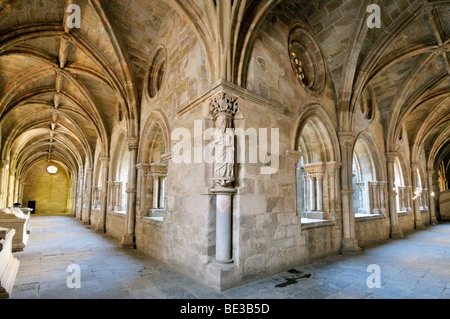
{"type": "Point", "coordinates": [316, 170]}
{"type": "Point", "coordinates": [400, 188]}
{"type": "Point", "coordinates": [122, 177]}
{"type": "Point", "coordinates": [152, 170]}
{"type": "Point", "coordinates": [369, 190]}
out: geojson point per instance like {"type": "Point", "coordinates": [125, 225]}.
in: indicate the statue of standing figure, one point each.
{"type": "Point", "coordinates": [224, 152]}
{"type": "Point", "coordinates": [223, 108]}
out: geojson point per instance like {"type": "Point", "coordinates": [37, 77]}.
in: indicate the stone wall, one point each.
{"type": "Point", "coordinates": [49, 191]}
{"type": "Point", "coordinates": [371, 230]}
{"type": "Point", "coordinates": [115, 224]}
{"type": "Point", "coordinates": [406, 222]}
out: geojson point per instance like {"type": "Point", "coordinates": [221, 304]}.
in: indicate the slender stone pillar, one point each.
{"type": "Point", "coordinates": [223, 107]}
{"type": "Point", "coordinates": [319, 182]}
{"type": "Point", "coordinates": [80, 197]}
{"type": "Point", "coordinates": [74, 197]}
{"type": "Point", "coordinates": [16, 189]}
{"type": "Point", "coordinates": [223, 223]}
{"type": "Point", "coordinates": [331, 172]}
{"type": "Point", "coordinates": [349, 242]}
{"type": "Point", "coordinates": [104, 166]}
{"type": "Point", "coordinates": [312, 191]}
{"type": "Point", "coordinates": [432, 195]}
{"type": "Point", "coordinates": [393, 214]}
{"type": "Point", "coordinates": [416, 198]}
{"type": "Point", "coordinates": [128, 238]}
{"type": "Point", "coordinates": [86, 212]}
{"type": "Point", "coordinates": [306, 192]}
{"type": "Point", "coordinates": [11, 183]}
{"type": "Point", "coordinates": [3, 182]}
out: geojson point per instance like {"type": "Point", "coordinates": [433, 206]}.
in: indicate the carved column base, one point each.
{"type": "Point", "coordinates": [350, 247]}
{"type": "Point", "coordinates": [419, 225]}
{"type": "Point", "coordinates": [127, 241]}
{"type": "Point", "coordinates": [100, 228]}
{"type": "Point", "coordinates": [396, 233]}
{"type": "Point", "coordinates": [434, 220]}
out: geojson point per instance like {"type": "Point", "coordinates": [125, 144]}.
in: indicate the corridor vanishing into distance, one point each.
{"type": "Point", "coordinates": [417, 266]}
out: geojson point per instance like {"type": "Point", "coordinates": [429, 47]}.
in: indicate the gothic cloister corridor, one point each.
{"type": "Point", "coordinates": [225, 149]}
{"type": "Point", "coordinates": [417, 266]}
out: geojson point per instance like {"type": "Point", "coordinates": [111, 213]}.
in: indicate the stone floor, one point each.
{"type": "Point", "coordinates": [415, 267]}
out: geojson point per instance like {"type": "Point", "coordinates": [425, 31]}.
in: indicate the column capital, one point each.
{"type": "Point", "coordinates": [295, 155]}
{"type": "Point", "coordinates": [132, 143]}
{"type": "Point", "coordinates": [104, 160]}
{"type": "Point", "coordinates": [431, 174]}
{"type": "Point", "coordinates": [143, 166]}
{"type": "Point", "coordinates": [223, 103]}
{"type": "Point", "coordinates": [347, 138]}
{"type": "Point", "coordinates": [391, 156]}
{"type": "Point", "coordinates": [415, 166]}
{"type": "Point", "coordinates": [4, 163]}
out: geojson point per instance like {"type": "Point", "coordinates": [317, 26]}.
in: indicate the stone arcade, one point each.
{"type": "Point", "coordinates": [362, 115]}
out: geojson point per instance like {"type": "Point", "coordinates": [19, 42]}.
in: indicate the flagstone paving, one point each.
{"type": "Point", "coordinates": [415, 267]}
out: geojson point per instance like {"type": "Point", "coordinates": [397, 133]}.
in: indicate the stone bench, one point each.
{"type": "Point", "coordinates": [19, 221]}
{"type": "Point", "coordinates": [8, 264]}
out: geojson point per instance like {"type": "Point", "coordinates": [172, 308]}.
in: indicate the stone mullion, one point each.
{"type": "Point", "coordinates": [128, 238]}
{"type": "Point", "coordinates": [393, 214]}
{"type": "Point", "coordinates": [416, 201]}
{"type": "Point", "coordinates": [349, 241]}
{"type": "Point", "coordinates": [432, 197]}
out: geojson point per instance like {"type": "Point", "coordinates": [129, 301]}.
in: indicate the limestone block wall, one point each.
{"type": "Point", "coordinates": [406, 222]}
{"type": "Point", "coordinates": [184, 237]}
{"type": "Point", "coordinates": [49, 191]}
{"type": "Point", "coordinates": [444, 204]}
{"type": "Point", "coordinates": [115, 224]}
{"type": "Point", "coordinates": [371, 230]}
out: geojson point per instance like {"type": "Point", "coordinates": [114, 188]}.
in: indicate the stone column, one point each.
{"type": "Point", "coordinates": [408, 193]}
{"type": "Point", "coordinates": [416, 198]}
{"type": "Point", "coordinates": [104, 166]}
{"type": "Point", "coordinates": [3, 182]}
{"type": "Point", "coordinates": [319, 182]}
{"type": "Point", "coordinates": [312, 193]}
{"type": "Point", "coordinates": [432, 195]}
{"type": "Point", "coordinates": [305, 193]}
{"type": "Point", "coordinates": [11, 183]}
{"type": "Point", "coordinates": [80, 196]}
{"type": "Point", "coordinates": [143, 173]}
{"type": "Point", "coordinates": [16, 189]}
{"type": "Point", "coordinates": [349, 242]}
{"type": "Point", "coordinates": [128, 238]}
{"type": "Point", "coordinates": [86, 212]}
{"type": "Point", "coordinates": [362, 198]}
{"type": "Point", "coordinates": [74, 197]}
{"type": "Point", "coordinates": [223, 107]}
{"type": "Point", "coordinates": [393, 214]}
{"type": "Point", "coordinates": [331, 172]}
{"type": "Point", "coordinates": [224, 206]}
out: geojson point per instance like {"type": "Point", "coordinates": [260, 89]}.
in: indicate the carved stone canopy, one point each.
{"type": "Point", "coordinates": [223, 104]}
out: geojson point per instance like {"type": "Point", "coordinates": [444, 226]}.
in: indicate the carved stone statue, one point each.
{"type": "Point", "coordinates": [224, 152]}
{"type": "Point", "coordinates": [223, 108]}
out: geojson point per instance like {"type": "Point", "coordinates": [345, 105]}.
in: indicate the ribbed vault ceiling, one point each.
{"type": "Point", "coordinates": [61, 89]}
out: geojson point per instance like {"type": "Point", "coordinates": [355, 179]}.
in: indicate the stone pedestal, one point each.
{"type": "Point", "coordinates": [223, 224]}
